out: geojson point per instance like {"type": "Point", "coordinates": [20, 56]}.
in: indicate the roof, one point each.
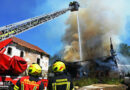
{"type": "Point", "coordinates": [27, 45]}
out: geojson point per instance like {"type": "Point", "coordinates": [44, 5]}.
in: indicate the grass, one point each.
{"type": "Point", "coordinates": [112, 81]}
{"type": "Point", "coordinates": [88, 81]}
{"type": "Point", "coordinates": [85, 81]}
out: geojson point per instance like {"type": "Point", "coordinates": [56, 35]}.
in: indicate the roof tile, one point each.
{"type": "Point", "coordinates": [27, 45]}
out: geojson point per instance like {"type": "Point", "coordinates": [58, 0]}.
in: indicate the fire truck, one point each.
{"type": "Point", "coordinates": [11, 68]}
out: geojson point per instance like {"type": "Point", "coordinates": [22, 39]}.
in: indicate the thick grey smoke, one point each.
{"type": "Point", "coordinates": [99, 20]}
{"type": "Point", "coordinates": [124, 63]}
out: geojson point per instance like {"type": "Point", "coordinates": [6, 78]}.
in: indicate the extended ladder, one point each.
{"type": "Point", "coordinates": [22, 26]}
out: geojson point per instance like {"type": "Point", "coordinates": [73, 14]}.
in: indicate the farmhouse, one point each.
{"type": "Point", "coordinates": [29, 52]}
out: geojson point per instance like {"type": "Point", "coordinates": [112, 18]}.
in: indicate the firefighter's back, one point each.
{"type": "Point", "coordinates": [60, 80]}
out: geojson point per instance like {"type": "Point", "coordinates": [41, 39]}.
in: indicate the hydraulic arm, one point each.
{"type": "Point", "coordinates": [22, 26]}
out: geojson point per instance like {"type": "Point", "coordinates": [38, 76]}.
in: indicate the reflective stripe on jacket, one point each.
{"type": "Point", "coordinates": [26, 84]}
{"type": "Point", "coordinates": [60, 82]}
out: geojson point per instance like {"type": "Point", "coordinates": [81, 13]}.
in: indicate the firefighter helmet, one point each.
{"type": "Point", "coordinates": [34, 70]}
{"type": "Point", "coordinates": [58, 66]}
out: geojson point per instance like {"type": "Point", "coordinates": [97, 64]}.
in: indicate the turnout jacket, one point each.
{"type": "Point", "coordinates": [29, 83]}
{"type": "Point", "coordinates": [60, 81]}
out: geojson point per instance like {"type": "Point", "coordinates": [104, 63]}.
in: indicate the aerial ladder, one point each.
{"type": "Point", "coordinates": [11, 30]}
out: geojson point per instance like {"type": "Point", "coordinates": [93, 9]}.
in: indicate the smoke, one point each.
{"type": "Point", "coordinates": [99, 20]}
{"type": "Point", "coordinates": [124, 63]}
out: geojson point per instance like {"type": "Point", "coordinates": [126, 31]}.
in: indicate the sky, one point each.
{"type": "Point", "coordinates": [47, 36]}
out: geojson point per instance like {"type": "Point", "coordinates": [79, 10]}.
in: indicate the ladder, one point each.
{"type": "Point", "coordinates": [11, 30]}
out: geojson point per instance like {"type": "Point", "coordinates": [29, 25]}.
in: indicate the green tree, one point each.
{"type": "Point", "coordinates": [54, 58]}
{"type": "Point", "coordinates": [125, 49]}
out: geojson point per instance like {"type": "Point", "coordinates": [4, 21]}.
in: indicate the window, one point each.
{"type": "Point", "coordinates": [21, 54]}
{"type": "Point", "coordinates": [38, 61]}
{"type": "Point", "coordinates": [41, 55]}
{"type": "Point", "coordinates": [9, 51]}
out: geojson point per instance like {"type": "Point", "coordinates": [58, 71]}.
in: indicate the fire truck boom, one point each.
{"type": "Point", "coordinates": [22, 26]}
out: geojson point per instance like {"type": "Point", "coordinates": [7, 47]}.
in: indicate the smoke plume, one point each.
{"type": "Point", "coordinates": [99, 20]}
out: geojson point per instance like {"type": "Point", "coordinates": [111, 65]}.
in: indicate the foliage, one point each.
{"type": "Point", "coordinates": [85, 81]}
{"type": "Point", "coordinates": [54, 58]}
{"type": "Point", "coordinates": [125, 49]}
{"type": "Point", "coordinates": [88, 81]}
{"type": "Point", "coordinates": [112, 81]}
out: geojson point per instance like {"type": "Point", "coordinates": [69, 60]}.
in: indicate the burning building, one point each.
{"type": "Point", "coordinates": [98, 21]}
{"type": "Point", "coordinates": [97, 67]}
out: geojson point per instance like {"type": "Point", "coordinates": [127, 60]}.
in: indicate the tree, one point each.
{"type": "Point", "coordinates": [54, 58]}
{"type": "Point", "coordinates": [125, 49]}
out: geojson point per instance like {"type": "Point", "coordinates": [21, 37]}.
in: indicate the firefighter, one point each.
{"type": "Point", "coordinates": [60, 81]}
{"type": "Point", "coordinates": [31, 82]}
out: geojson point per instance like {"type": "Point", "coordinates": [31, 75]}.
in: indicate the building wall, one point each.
{"type": "Point", "coordinates": [15, 51]}
{"type": "Point", "coordinates": [29, 56]}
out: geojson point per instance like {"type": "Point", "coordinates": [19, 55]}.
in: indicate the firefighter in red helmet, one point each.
{"type": "Point", "coordinates": [31, 82]}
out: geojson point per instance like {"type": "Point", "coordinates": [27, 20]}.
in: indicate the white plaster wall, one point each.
{"type": "Point", "coordinates": [44, 63]}
{"type": "Point", "coordinates": [30, 57]}
{"type": "Point", "coordinates": [15, 51]}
